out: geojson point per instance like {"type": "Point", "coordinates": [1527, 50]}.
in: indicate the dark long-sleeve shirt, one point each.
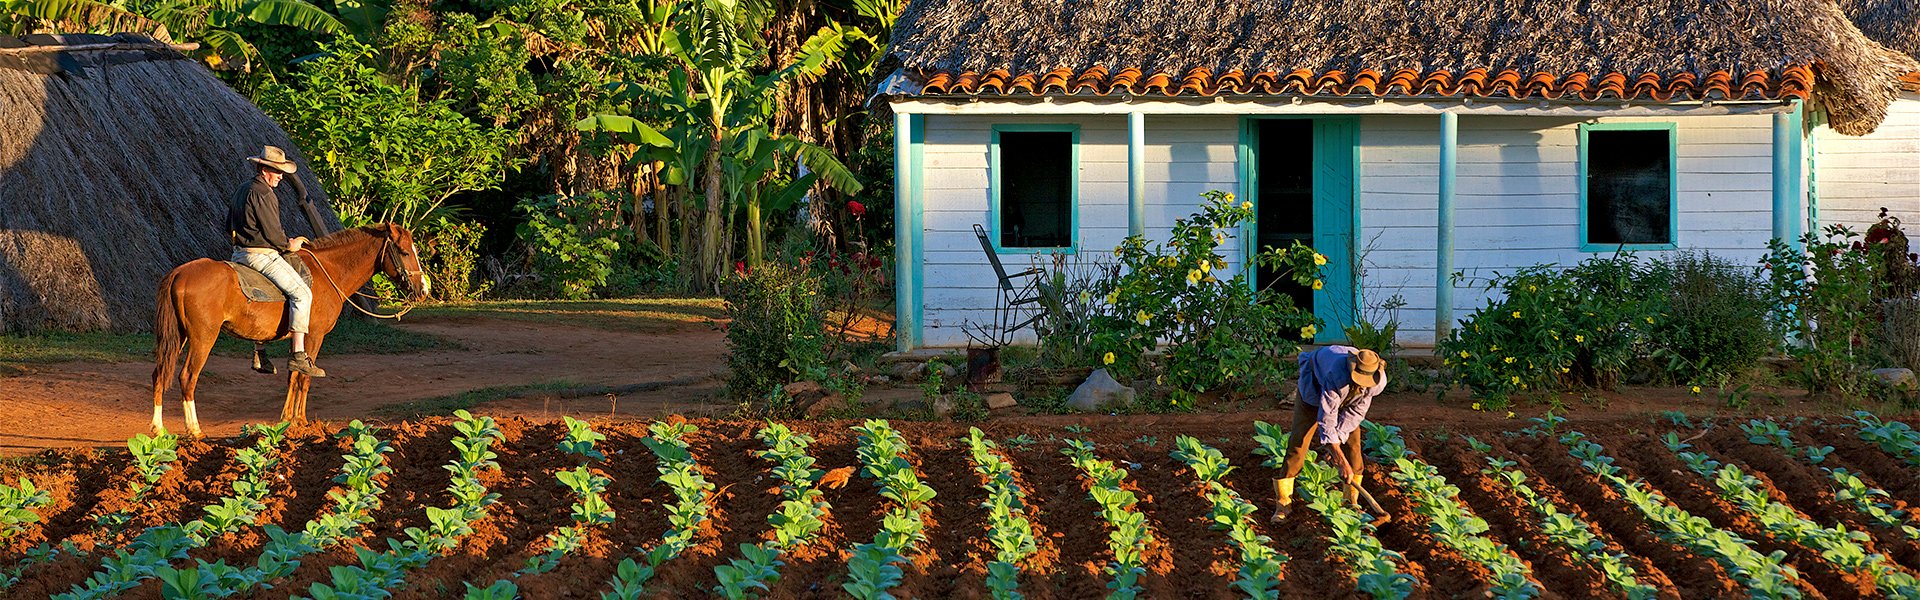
{"type": "Point", "coordinates": [253, 218]}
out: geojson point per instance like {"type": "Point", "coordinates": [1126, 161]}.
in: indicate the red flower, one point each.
{"type": "Point", "coordinates": [856, 208]}
{"type": "Point", "coordinates": [740, 266]}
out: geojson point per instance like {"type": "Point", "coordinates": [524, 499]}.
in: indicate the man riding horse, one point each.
{"type": "Point", "coordinates": [253, 224]}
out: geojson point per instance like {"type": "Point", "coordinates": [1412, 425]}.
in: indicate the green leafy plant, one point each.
{"type": "Point", "coordinates": [883, 458]}
{"type": "Point", "coordinates": [871, 571]}
{"type": "Point", "coordinates": [1896, 438]}
{"type": "Point", "coordinates": [1212, 332]}
{"type": "Point", "coordinates": [1452, 522]}
{"type": "Point", "coordinates": [1128, 533]}
{"type": "Point", "coordinates": [590, 507]}
{"type": "Point", "coordinates": [1837, 545]}
{"type": "Point", "coordinates": [16, 507]}
{"type": "Point", "coordinates": [572, 250]}
{"type": "Point", "coordinates": [1376, 570]}
{"type": "Point", "coordinates": [1822, 295]}
{"type": "Point", "coordinates": [692, 503]}
{"type": "Point", "coordinates": [776, 335]}
{"type": "Point", "coordinates": [1008, 530]}
{"type": "Point", "coordinates": [1848, 487]}
{"type": "Point", "coordinates": [1259, 574]}
{"type": "Point", "coordinates": [1764, 575]}
{"type": "Point", "coordinates": [1713, 321]}
{"type": "Point", "coordinates": [1569, 531]}
{"type": "Point", "coordinates": [1550, 328]}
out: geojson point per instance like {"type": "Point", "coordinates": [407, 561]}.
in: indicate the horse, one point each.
{"type": "Point", "coordinates": [198, 300]}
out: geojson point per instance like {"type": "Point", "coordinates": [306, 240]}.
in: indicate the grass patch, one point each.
{"type": "Point", "coordinates": [624, 314]}
{"type": "Point", "coordinates": [351, 336]}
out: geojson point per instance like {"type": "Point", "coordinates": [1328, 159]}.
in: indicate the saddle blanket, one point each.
{"type": "Point", "coordinates": [260, 289]}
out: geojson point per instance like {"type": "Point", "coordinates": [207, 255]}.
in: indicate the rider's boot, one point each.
{"type": "Point", "coordinates": [302, 364]}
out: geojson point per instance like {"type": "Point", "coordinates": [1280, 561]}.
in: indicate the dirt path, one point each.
{"type": "Point", "coordinates": [104, 403]}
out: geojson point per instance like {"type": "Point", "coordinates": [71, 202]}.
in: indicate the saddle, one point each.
{"type": "Point", "coordinates": [260, 289]}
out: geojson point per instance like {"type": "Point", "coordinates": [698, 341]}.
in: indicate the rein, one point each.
{"type": "Point", "coordinates": [348, 298]}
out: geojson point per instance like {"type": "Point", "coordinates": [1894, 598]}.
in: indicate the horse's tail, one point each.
{"type": "Point", "coordinates": [168, 336]}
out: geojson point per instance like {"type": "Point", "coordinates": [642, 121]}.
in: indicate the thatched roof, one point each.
{"type": "Point", "coordinates": [117, 160]}
{"type": "Point", "coordinates": [1656, 50]}
{"type": "Point", "coordinates": [1893, 23]}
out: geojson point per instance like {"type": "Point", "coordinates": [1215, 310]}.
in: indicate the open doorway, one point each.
{"type": "Point", "coordinates": [1302, 181]}
{"type": "Point", "coordinates": [1285, 190]}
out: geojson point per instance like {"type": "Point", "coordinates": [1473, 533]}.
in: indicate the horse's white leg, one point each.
{"type": "Point", "coordinates": [193, 420]}
{"type": "Point", "coordinates": [157, 426]}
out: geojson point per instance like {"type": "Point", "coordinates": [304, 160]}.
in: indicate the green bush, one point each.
{"type": "Point", "coordinates": [1823, 296]}
{"type": "Point", "coordinates": [450, 252]}
{"type": "Point", "coordinates": [1552, 328]}
{"type": "Point", "coordinates": [573, 254]}
{"type": "Point", "coordinates": [1212, 332]}
{"type": "Point", "coordinates": [1069, 303]}
{"type": "Point", "coordinates": [1714, 324]}
{"type": "Point", "coordinates": [776, 335]}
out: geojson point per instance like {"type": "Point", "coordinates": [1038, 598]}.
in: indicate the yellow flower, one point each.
{"type": "Point", "coordinates": [1246, 206]}
{"type": "Point", "coordinates": [1565, 369]}
{"type": "Point", "coordinates": [1319, 259]}
{"type": "Point", "coordinates": [1494, 349]}
{"type": "Point", "coordinates": [1476, 406]}
{"type": "Point", "coordinates": [1317, 284]}
{"type": "Point", "coordinates": [1516, 379]}
{"type": "Point", "coordinates": [1464, 354]}
{"type": "Point", "coordinates": [1579, 338]}
{"type": "Point", "coordinates": [1219, 238]}
{"type": "Point", "coordinates": [1696, 390]}
{"type": "Point", "coordinates": [1113, 297]}
{"type": "Point", "coordinates": [1308, 331]}
{"type": "Point", "coordinates": [1509, 360]}
{"type": "Point", "coordinates": [1193, 276]}
{"type": "Point", "coordinates": [1086, 297]}
{"type": "Point", "coordinates": [1531, 288]}
{"type": "Point", "coordinates": [1108, 359]}
{"type": "Point", "coordinates": [1206, 265]}
{"type": "Point", "coordinates": [1159, 380]}
{"type": "Point", "coordinates": [1220, 263]}
{"type": "Point", "coordinates": [1210, 279]}
{"type": "Point", "coordinates": [1523, 386]}
{"type": "Point", "coordinates": [1142, 317]}
{"type": "Point", "coordinates": [1509, 414]}
{"type": "Point", "coordinates": [1649, 320]}
{"type": "Point", "coordinates": [1229, 197]}
{"type": "Point", "coordinates": [1516, 314]}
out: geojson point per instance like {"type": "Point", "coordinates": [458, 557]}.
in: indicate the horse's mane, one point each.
{"type": "Point", "coordinates": [348, 236]}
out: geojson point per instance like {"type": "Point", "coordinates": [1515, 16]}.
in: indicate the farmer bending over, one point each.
{"type": "Point", "coordinates": [253, 223]}
{"type": "Point", "coordinates": [1337, 384]}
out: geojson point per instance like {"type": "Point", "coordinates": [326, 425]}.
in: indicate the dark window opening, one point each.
{"type": "Point", "coordinates": [1629, 187]}
{"type": "Point", "coordinates": [1036, 195]}
{"type": "Point", "coordinates": [1285, 179]}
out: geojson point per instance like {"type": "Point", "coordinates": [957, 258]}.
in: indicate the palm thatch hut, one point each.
{"type": "Point", "coordinates": [1859, 175]}
{"type": "Point", "coordinates": [118, 160]}
{"type": "Point", "coordinates": [1405, 139]}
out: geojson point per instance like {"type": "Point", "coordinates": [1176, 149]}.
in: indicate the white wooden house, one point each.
{"type": "Point", "coordinates": [1405, 139]}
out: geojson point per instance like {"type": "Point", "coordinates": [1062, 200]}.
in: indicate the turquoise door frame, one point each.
{"type": "Point", "coordinates": [1336, 214]}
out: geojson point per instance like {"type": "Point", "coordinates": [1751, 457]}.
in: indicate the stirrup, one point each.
{"type": "Point", "coordinates": [260, 362]}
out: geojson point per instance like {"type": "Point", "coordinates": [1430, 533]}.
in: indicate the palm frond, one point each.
{"type": "Point", "coordinates": [822, 161]}
{"type": "Point", "coordinates": [87, 15]}
{"type": "Point", "coordinates": [294, 13]}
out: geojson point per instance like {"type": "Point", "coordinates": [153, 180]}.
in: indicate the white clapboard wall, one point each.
{"type": "Point", "coordinates": [1517, 200]}
{"type": "Point", "coordinates": [1855, 176]}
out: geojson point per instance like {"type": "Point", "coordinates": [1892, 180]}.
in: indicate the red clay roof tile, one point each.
{"type": "Point", "coordinates": [1791, 82]}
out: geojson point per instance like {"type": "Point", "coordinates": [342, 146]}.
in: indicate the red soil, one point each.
{"type": "Point", "coordinates": [1189, 559]}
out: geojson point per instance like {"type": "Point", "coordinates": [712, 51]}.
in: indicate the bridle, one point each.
{"type": "Point", "coordinates": [387, 254]}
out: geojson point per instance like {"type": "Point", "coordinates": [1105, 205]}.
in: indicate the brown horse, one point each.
{"type": "Point", "coordinates": [201, 298]}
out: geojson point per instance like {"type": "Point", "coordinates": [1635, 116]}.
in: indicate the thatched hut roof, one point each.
{"type": "Point", "coordinates": [118, 159]}
{"type": "Point", "coordinates": [1893, 23]}
{"type": "Point", "coordinates": [1641, 50]}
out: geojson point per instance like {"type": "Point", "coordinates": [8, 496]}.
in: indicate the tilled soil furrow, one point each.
{"type": "Point", "coordinates": [1815, 497]}
{"type": "Point", "coordinates": [421, 450]}
{"type": "Point", "coordinates": [1865, 459]}
{"type": "Point", "coordinates": [1311, 570]}
{"type": "Point", "coordinates": [1450, 574]}
{"type": "Point", "coordinates": [818, 570]}
{"type": "Point", "coordinates": [639, 503]}
{"type": "Point", "coordinates": [1513, 522]}
{"type": "Point", "coordinates": [1059, 503]}
{"type": "Point", "coordinates": [1646, 457]}
{"type": "Point", "coordinates": [953, 559]}
{"type": "Point", "coordinates": [73, 487]}
{"type": "Point", "coordinates": [745, 493]}
{"type": "Point", "coordinates": [1205, 562]}
{"type": "Point", "coordinates": [532, 504]}
{"type": "Point", "coordinates": [1581, 492]}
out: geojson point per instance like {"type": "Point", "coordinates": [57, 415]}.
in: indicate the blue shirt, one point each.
{"type": "Point", "coordinates": [1325, 376]}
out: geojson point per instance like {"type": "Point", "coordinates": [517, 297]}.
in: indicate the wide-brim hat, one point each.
{"type": "Point", "coordinates": [1366, 368]}
{"type": "Point", "coordinates": [274, 158]}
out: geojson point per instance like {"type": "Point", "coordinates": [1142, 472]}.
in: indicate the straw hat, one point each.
{"type": "Point", "coordinates": [274, 158]}
{"type": "Point", "coordinates": [1366, 368]}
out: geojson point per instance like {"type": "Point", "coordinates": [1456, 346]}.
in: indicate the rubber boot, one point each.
{"type": "Point", "coordinates": [1283, 499]}
{"type": "Point", "coordinates": [300, 363]}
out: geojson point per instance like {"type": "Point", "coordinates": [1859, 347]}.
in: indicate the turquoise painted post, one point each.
{"type": "Point", "coordinates": [1136, 174]}
{"type": "Point", "coordinates": [904, 254]}
{"type": "Point", "coordinates": [918, 143]}
{"type": "Point", "coordinates": [1443, 253]}
{"type": "Point", "coordinates": [1788, 171]}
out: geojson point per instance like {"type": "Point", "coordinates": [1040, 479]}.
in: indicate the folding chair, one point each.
{"type": "Point", "coordinates": [1017, 293]}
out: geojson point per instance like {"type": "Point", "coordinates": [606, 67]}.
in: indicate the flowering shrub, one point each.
{"type": "Point", "coordinates": [1216, 331]}
{"type": "Point", "coordinates": [1715, 325]}
{"type": "Point", "coordinates": [1552, 328]}
{"type": "Point", "coordinates": [1896, 267]}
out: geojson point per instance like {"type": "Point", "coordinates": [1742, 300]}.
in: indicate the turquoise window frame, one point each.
{"type": "Point", "coordinates": [1673, 184]}
{"type": "Point", "coordinates": [1073, 188]}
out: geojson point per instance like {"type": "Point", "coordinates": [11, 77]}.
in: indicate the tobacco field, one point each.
{"type": "Point", "coordinates": [479, 508]}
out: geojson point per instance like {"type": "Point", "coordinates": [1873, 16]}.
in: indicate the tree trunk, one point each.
{"type": "Point", "coordinates": [640, 189]}
{"type": "Point", "coordinates": [710, 222]}
{"type": "Point", "coordinates": [756, 234]}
